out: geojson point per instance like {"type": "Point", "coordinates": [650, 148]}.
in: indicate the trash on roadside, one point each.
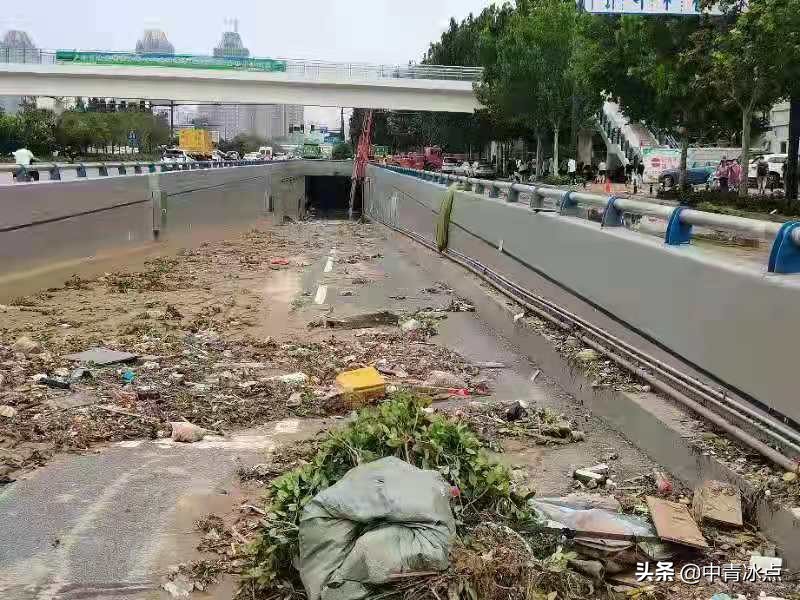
{"type": "Point", "coordinates": [180, 587]}
{"type": "Point", "coordinates": [489, 365]}
{"type": "Point", "coordinates": [443, 379]}
{"type": "Point", "coordinates": [101, 356]}
{"type": "Point", "coordinates": [362, 321]}
{"type": "Point", "coordinates": [53, 382]}
{"type": "Point", "coordinates": [74, 400]}
{"type": "Point", "coordinates": [347, 293]}
{"type": "Point", "coordinates": [382, 520]}
{"type": "Point", "coordinates": [279, 261]}
{"type": "Point", "coordinates": [128, 375]}
{"type": "Point", "coordinates": [663, 482]}
{"type": "Point", "coordinates": [290, 378]}
{"type": "Point", "coordinates": [26, 345]}
{"type": "Point", "coordinates": [361, 385]}
{"type": "Point", "coordinates": [80, 373]}
{"type": "Point", "coordinates": [587, 355]}
{"type": "Point", "coordinates": [410, 325]}
{"type": "Point", "coordinates": [295, 399]}
{"type": "Point", "coordinates": [589, 478]}
{"type": "Point", "coordinates": [718, 502]}
{"type": "Point", "coordinates": [183, 431]}
{"type": "Point", "coordinates": [518, 410]}
{"type": "Point", "coordinates": [674, 523]}
{"type": "Point", "coordinates": [8, 411]}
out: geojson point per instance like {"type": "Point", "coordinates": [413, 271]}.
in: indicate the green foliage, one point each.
{"type": "Point", "coordinates": [342, 151]}
{"type": "Point", "coordinates": [730, 203]}
{"type": "Point", "coordinates": [399, 427]}
{"type": "Point", "coordinates": [243, 143]}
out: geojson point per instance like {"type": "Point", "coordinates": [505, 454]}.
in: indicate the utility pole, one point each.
{"type": "Point", "coordinates": [171, 120]}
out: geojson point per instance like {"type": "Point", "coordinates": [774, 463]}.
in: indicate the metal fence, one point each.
{"type": "Point", "coordinates": [784, 256]}
{"type": "Point", "coordinates": [294, 68]}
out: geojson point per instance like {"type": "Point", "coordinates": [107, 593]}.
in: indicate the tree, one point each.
{"type": "Point", "coordinates": [36, 130]}
{"type": "Point", "coordinates": [538, 71]}
{"type": "Point", "coordinates": [747, 62]}
{"type": "Point", "coordinates": [342, 151]}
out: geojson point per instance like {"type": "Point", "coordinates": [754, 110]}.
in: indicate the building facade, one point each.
{"type": "Point", "coordinates": [17, 47]}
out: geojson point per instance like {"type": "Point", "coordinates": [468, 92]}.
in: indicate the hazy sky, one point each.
{"type": "Point", "coordinates": [376, 31]}
{"type": "Point", "coordinates": [383, 31]}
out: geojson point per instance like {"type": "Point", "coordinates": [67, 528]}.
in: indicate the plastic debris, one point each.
{"type": "Point", "coordinates": [8, 412]}
{"type": "Point", "coordinates": [279, 261]}
{"type": "Point", "coordinates": [361, 385]}
{"type": "Point", "coordinates": [381, 520]}
{"type": "Point", "coordinates": [410, 325]}
{"type": "Point", "coordinates": [291, 378]}
{"type": "Point", "coordinates": [183, 431]}
{"type": "Point", "coordinates": [53, 382]}
{"type": "Point", "coordinates": [101, 356]}
{"type": "Point", "coordinates": [663, 483]}
{"type": "Point", "coordinates": [587, 355]}
{"type": "Point", "coordinates": [443, 379]}
{"type": "Point", "coordinates": [674, 523]}
{"type": "Point", "coordinates": [128, 375]}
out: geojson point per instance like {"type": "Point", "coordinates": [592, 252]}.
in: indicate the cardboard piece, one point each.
{"type": "Point", "coordinates": [674, 523]}
{"type": "Point", "coordinates": [718, 502]}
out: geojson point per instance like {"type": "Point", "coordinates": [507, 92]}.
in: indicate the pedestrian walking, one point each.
{"type": "Point", "coordinates": [628, 174]}
{"type": "Point", "coordinates": [722, 174]}
{"type": "Point", "coordinates": [640, 173]}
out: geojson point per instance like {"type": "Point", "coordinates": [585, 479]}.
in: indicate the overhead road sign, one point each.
{"type": "Point", "coordinates": [647, 7]}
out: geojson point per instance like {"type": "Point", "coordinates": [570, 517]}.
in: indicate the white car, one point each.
{"type": "Point", "coordinates": [449, 166]}
{"type": "Point", "coordinates": [777, 165]}
{"type": "Point", "coordinates": [464, 169]}
{"type": "Point", "coordinates": [253, 156]}
{"type": "Point", "coordinates": [175, 155]}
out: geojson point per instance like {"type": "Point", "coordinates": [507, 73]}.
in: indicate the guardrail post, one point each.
{"type": "Point", "coordinates": [55, 173]}
{"type": "Point", "coordinates": [494, 191]}
{"type": "Point", "coordinates": [122, 170]}
{"type": "Point", "coordinates": [103, 171]}
{"type": "Point", "coordinates": [677, 232]}
{"type": "Point", "coordinates": [568, 205]}
{"type": "Point", "coordinates": [513, 195]}
{"type": "Point", "coordinates": [784, 257]}
{"type": "Point", "coordinates": [468, 187]}
{"type": "Point", "coordinates": [612, 217]}
{"type": "Point", "coordinates": [137, 169]}
{"type": "Point", "coordinates": [22, 175]}
{"type": "Point", "coordinates": [81, 170]}
{"type": "Point", "coordinates": [537, 200]}
{"type": "Point", "coordinates": [151, 168]}
{"type": "Point", "coordinates": [479, 188]}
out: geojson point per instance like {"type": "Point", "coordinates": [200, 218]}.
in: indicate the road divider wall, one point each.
{"type": "Point", "coordinates": [727, 317]}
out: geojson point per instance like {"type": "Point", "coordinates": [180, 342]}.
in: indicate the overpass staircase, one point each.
{"type": "Point", "coordinates": [626, 139]}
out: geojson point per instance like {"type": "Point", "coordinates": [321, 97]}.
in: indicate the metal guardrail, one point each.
{"type": "Point", "coordinates": [784, 256]}
{"type": "Point", "coordinates": [25, 174]}
{"type": "Point", "coordinates": [294, 68]}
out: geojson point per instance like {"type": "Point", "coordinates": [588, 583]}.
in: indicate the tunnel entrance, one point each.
{"type": "Point", "coordinates": [328, 197]}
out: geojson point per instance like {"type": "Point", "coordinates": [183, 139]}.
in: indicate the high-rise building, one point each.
{"type": "Point", "coordinates": [17, 47]}
{"type": "Point", "coordinates": [269, 121]}
{"type": "Point", "coordinates": [154, 41]}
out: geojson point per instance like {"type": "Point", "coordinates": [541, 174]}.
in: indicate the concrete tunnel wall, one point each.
{"type": "Point", "coordinates": [59, 222]}
{"type": "Point", "coordinates": [734, 321]}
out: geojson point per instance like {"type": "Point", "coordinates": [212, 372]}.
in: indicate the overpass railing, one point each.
{"type": "Point", "coordinates": [51, 171]}
{"type": "Point", "coordinates": [784, 256]}
{"type": "Point", "coordinates": [293, 68]}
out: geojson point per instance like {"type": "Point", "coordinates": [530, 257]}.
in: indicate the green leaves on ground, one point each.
{"type": "Point", "coordinates": [399, 427]}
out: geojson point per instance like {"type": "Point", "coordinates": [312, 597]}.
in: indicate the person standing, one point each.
{"type": "Point", "coordinates": [735, 174]}
{"type": "Point", "coordinates": [572, 171]}
{"type": "Point", "coordinates": [602, 171]}
{"type": "Point", "coordinates": [722, 174]}
{"type": "Point", "coordinates": [628, 174]}
{"type": "Point", "coordinates": [640, 173]}
{"type": "Point", "coordinates": [762, 171]}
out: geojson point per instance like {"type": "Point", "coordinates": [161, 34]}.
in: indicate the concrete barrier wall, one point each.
{"type": "Point", "coordinates": [56, 222]}
{"type": "Point", "coordinates": [732, 320]}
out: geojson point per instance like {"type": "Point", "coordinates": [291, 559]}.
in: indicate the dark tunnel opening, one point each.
{"type": "Point", "coordinates": [328, 197]}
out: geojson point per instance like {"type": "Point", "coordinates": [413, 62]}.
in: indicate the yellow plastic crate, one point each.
{"type": "Point", "coordinates": [360, 386]}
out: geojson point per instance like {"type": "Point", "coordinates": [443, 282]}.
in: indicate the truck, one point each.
{"type": "Point", "coordinates": [429, 159]}
{"type": "Point", "coordinates": [196, 143]}
{"type": "Point", "coordinates": [311, 151]}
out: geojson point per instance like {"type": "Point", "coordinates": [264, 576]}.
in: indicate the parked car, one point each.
{"type": "Point", "coordinates": [253, 156]}
{"type": "Point", "coordinates": [777, 166]}
{"type": "Point", "coordinates": [484, 170]}
{"type": "Point", "coordinates": [233, 155]}
{"type": "Point", "coordinates": [449, 166]}
{"type": "Point", "coordinates": [697, 174]}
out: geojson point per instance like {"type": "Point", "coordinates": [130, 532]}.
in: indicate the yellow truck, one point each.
{"type": "Point", "coordinates": [196, 143]}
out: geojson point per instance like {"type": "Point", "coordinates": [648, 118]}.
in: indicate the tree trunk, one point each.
{"type": "Point", "coordinates": [790, 175]}
{"type": "Point", "coordinates": [538, 155]}
{"type": "Point", "coordinates": [683, 175]}
{"type": "Point", "coordinates": [555, 150]}
{"type": "Point", "coordinates": [747, 116]}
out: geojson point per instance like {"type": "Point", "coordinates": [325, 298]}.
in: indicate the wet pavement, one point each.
{"type": "Point", "coordinates": [110, 522]}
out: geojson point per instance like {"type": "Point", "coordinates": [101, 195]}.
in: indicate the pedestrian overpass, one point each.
{"type": "Point", "coordinates": [245, 81]}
